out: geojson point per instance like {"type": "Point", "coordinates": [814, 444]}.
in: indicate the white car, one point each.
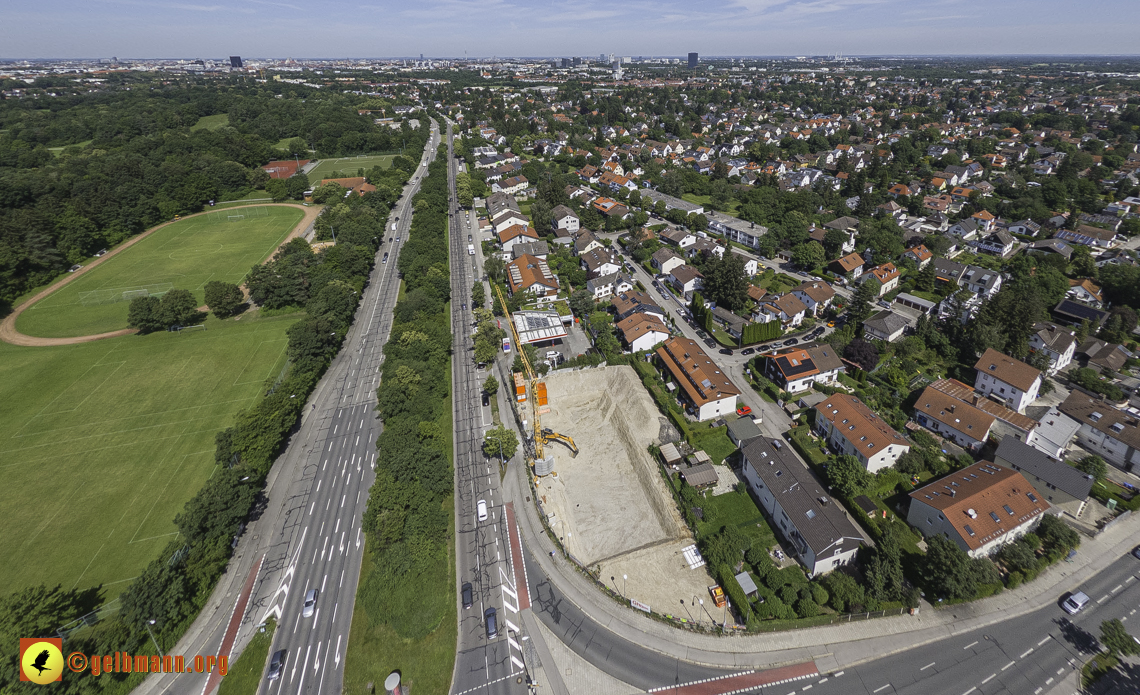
{"type": "Point", "coordinates": [481, 510]}
{"type": "Point", "coordinates": [310, 603]}
{"type": "Point", "coordinates": [1076, 601]}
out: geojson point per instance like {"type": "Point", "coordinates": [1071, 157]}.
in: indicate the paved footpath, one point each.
{"type": "Point", "coordinates": [831, 647]}
{"type": "Point", "coordinates": [230, 636]}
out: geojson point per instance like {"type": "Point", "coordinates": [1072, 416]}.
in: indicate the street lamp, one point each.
{"type": "Point", "coordinates": [686, 607]}
{"type": "Point", "coordinates": [152, 639]}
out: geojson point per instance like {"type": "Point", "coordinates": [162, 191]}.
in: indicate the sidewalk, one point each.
{"type": "Point", "coordinates": [833, 646]}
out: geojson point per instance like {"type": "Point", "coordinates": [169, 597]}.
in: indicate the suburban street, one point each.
{"type": "Point", "coordinates": [309, 535]}
{"type": "Point", "coordinates": [483, 664]}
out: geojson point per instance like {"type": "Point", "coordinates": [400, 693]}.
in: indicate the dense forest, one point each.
{"type": "Point", "coordinates": [129, 157]}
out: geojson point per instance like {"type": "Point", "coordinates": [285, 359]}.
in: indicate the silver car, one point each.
{"type": "Point", "coordinates": [310, 603]}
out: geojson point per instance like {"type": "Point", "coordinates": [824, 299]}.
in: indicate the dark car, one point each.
{"type": "Point", "coordinates": [492, 622]}
{"type": "Point", "coordinates": [793, 341]}
{"type": "Point", "coordinates": [710, 342]}
{"type": "Point", "coordinates": [747, 351]}
{"type": "Point", "coordinates": [467, 594]}
{"type": "Point", "coordinates": [276, 665]}
{"type": "Point", "coordinates": [486, 399]}
{"type": "Point", "coordinates": [725, 351]}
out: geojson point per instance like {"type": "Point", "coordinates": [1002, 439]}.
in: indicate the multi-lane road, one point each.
{"type": "Point", "coordinates": [483, 664]}
{"type": "Point", "coordinates": [324, 551]}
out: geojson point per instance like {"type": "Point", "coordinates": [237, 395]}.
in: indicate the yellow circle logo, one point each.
{"type": "Point", "coordinates": [42, 663]}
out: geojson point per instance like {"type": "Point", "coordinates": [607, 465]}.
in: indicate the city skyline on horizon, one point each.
{"type": "Point", "coordinates": [68, 29]}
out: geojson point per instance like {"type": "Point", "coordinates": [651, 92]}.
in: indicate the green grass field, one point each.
{"type": "Point", "coordinates": [185, 255]}
{"type": "Point", "coordinates": [102, 443]}
{"type": "Point", "coordinates": [348, 166]}
{"type": "Point", "coordinates": [212, 122]}
{"type": "Point", "coordinates": [245, 674]}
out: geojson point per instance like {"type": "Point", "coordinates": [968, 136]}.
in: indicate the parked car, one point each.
{"type": "Point", "coordinates": [486, 400]}
{"type": "Point", "coordinates": [492, 621]}
{"type": "Point", "coordinates": [743, 410]}
{"type": "Point", "coordinates": [276, 665]}
{"type": "Point", "coordinates": [467, 594]}
{"type": "Point", "coordinates": [310, 603]}
{"type": "Point", "coordinates": [1075, 602]}
{"type": "Point", "coordinates": [748, 351]}
{"type": "Point", "coordinates": [1136, 552]}
{"type": "Point", "coordinates": [793, 341]}
{"type": "Point", "coordinates": [831, 324]}
{"type": "Point", "coordinates": [725, 351]}
{"type": "Point", "coordinates": [710, 342]}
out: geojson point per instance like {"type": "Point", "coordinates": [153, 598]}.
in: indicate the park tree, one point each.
{"type": "Point", "coordinates": [581, 303]}
{"type": "Point", "coordinates": [862, 353]}
{"type": "Point", "coordinates": [1117, 640]}
{"type": "Point", "coordinates": [478, 295]}
{"type": "Point", "coordinates": [541, 215]}
{"type": "Point", "coordinates": [725, 281]}
{"type": "Point", "coordinates": [223, 298]}
{"type": "Point", "coordinates": [847, 476]}
{"type": "Point", "coordinates": [863, 302]}
{"type": "Point", "coordinates": [491, 385]}
{"type": "Point", "coordinates": [808, 255]}
{"type": "Point", "coordinates": [500, 441]}
{"type": "Point", "coordinates": [143, 314]}
{"type": "Point", "coordinates": [179, 308]}
{"type": "Point", "coordinates": [946, 569]}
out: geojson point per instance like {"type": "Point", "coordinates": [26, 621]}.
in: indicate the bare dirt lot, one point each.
{"type": "Point", "coordinates": [609, 504]}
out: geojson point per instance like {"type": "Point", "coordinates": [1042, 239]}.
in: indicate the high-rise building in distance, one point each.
{"type": "Point", "coordinates": [565, 62]}
{"type": "Point", "coordinates": [692, 61]}
{"type": "Point", "coordinates": [235, 61]}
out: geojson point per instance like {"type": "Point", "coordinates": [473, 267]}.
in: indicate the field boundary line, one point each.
{"type": "Point", "coordinates": [9, 334]}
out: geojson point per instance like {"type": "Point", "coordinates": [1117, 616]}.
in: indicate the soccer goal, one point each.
{"type": "Point", "coordinates": [235, 218]}
{"type": "Point", "coordinates": [123, 294]}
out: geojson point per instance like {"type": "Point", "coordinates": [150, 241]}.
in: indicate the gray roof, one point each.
{"type": "Point", "coordinates": [1033, 462]}
{"type": "Point", "coordinates": [1054, 245]}
{"type": "Point", "coordinates": [819, 520]}
{"type": "Point", "coordinates": [745, 581]}
{"type": "Point", "coordinates": [944, 267]}
{"type": "Point", "coordinates": [534, 248]}
{"type": "Point", "coordinates": [743, 429]}
{"type": "Point", "coordinates": [886, 322]}
{"type": "Point", "coordinates": [699, 475]}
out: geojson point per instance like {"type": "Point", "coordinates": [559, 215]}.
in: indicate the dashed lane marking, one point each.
{"type": "Point", "coordinates": [927, 666]}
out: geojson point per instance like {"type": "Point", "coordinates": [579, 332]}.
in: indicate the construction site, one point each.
{"type": "Point", "coordinates": [609, 504]}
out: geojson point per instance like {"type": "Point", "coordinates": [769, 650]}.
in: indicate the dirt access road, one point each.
{"type": "Point", "coordinates": [9, 334]}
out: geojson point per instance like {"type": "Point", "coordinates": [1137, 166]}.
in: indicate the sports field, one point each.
{"type": "Point", "coordinates": [348, 166]}
{"type": "Point", "coordinates": [222, 245]}
{"type": "Point", "coordinates": [102, 443]}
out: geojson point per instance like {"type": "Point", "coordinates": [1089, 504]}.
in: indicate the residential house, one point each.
{"type": "Point", "coordinates": [632, 302]}
{"type": "Point", "coordinates": [1112, 434]}
{"type": "Point", "coordinates": [751, 265]}
{"type": "Point", "coordinates": [965, 230]}
{"type": "Point", "coordinates": [686, 279]}
{"type": "Point", "coordinates": [534, 248]}
{"type": "Point", "coordinates": [1098, 354]}
{"type": "Point", "coordinates": [1087, 235]}
{"type": "Point", "coordinates": [1000, 243]}
{"type": "Point", "coordinates": [981, 281]}
{"type": "Point", "coordinates": [1024, 227]}
{"type": "Point", "coordinates": [1008, 380]}
{"type": "Point", "coordinates": [1057, 343]}
{"type": "Point", "coordinates": [666, 259]}
{"type": "Point", "coordinates": [1073, 313]}
{"type": "Point", "coordinates": [785, 308]}
{"type": "Point", "coordinates": [703, 387]}
{"type": "Point", "coordinates": [732, 324]}
{"type": "Point", "coordinates": [816, 528]}
{"type": "Point", "coordinates": [641, 331]}
{"type": "Point", "coordinates": [600, 261]}
{"type": "Point", "coordinates": [585, 242]}
{"type": "Point", "coordinates": [677, 237]}
{"type": "Point", "coordinates": [512, 185]}
{"type": "Point", "coordinates": [1053, 433]}
{"type": "Point", "coordinates": [885, 325]}
{"type": "Point", "coordinates": [508, 218]}
{"type": "Point", "coordinates": [603, 286]}
{"type": "Point", "coordinates": [357, 184]}
{"type": "Point", "coordinates": [849, 266]}
{"type": "Point", "coordinates": [516, 234]}
{"type": "Point", "coordinates": [952, 419]}
{"type": "Point", "coordinates": [1085, 291]}
{"type": "Point", "coordinates": [947, 271]}
{"type": "Point", "coordinates": [981, 508]}
{"type": "Point", "coordinates": [1047, 246]}
{"type": "Point", "coordinates": [851, 428]}
{"type": "Point", "coordinates": [920, 255]}
{"type": "Point", "coordinates": [887, 275]}
{"type": "Point", "coordinates": [816, 295]}
{"type": "Point", "coordinates": [564, 218]}
{"type": "Point", "coordinates": [532, 275]}
{"type": "Point", "coordinates": [1061, 485]}
{"type": "Point", "coordinates": [796, 369]}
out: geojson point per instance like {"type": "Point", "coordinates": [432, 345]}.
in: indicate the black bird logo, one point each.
{"type": "Point", "coordinates": [41, 659]}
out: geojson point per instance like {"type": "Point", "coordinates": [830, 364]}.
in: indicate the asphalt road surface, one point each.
{"type": "Point", "coordinates": [484, 664]}
{"type": "Point", "coordinates": [338, 472]}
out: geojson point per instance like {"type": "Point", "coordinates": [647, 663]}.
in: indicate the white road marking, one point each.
{"type": "Point", "coordinates": [1060, 670]}
{"type": "Point", "coordinates": [839, 673]}
{"type": "Point", "coordinates": [1118, 588]}
{"type": "Point", "coordinates": [969, 645]}
{"type": "Point", "coordinates": [970, 691]}
{"type": "Point", "coordinates": [342, 498]}
{"type": "Point", "coordinates": [1027, 653]}
{"type": "Point", "coordinates": [1008, 665]}
{"type": "Point", "coordinates": [992, 676]}
{"type": "Point", "coordinates": [311, 507]}
{"type": "Point", "coordinates": [882, 688]}
{"type": "Point", "coordinates": [1102, 599]}
{"type": "Point", "coordinates": [323, 581]}
{"type": "Point", "coordinates": [927, 666]}
{"type": "Point", "coordinates": [1048, 681]}
{"type": "Point", "coordinates": [1044, 641]}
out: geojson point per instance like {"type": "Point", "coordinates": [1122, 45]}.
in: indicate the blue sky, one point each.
{"type": "Point", "coordinates": [380, 28]}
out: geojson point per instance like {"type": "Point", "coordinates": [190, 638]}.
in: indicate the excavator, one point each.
{"type": "Point", "coordinates": [542, 435]}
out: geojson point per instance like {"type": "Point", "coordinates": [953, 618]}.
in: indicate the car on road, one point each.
{"type": "Point", "coordinates": [743, 410]}
{"type": "Point", "coordinates": [486, 399]}
{"type": "Point", "coordinates": [310, 603]}
{"type": "Point", "coordinates": [385, 258]}
{"type": "Point", "coordinates": [276, 665]}
{"type": "Point", "coordinates": [1136, 552]}
{"type": "Point", "coordinates": [710, 342]}
{"type": "Point", "coordinates": [468, 237]}
{"type": "Point", "coordinates": [464, 305]}
{"type": "Point", "coordinates": [748, 351]}
{"type": "Point", "coordinates": [725, 351]}
{"type": "Point", "coordinates": [491, 618]}
{"type": "Point", "coordinates": [831, 324]}
{"type": "Point", "coordinates": [467, 594]}
{"type": "Point", "coordinates": [481, 510]}
{"type": "Point", "coordinates": [1075, 602]}
{"type": "Point", "coordinates": [793, 341]}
